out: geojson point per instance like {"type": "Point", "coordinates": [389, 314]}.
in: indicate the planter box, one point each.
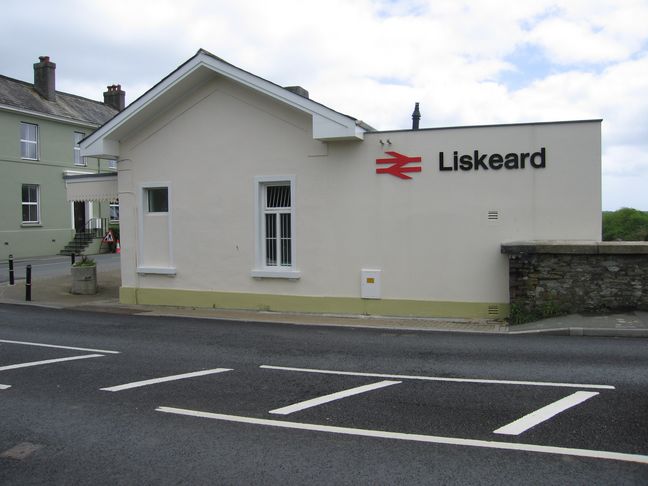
{"type": "Point", "coordinates": [84, 280]}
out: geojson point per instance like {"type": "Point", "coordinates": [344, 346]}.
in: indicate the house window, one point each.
{"type": "Point", "coordinates": [78, 160]}
{"type": "Point", "coordinates": [157, 199]}
{"type": "Point", "coordinates": [275, 228]}
{"type": "Point", "coordinates": [112, 164]}
{"type": "Point", "coordinates": [30, 204]}
{"type": "Point", "coordinates": [114, 211]}
{"type": "Point", "coordinates": [28, 141]}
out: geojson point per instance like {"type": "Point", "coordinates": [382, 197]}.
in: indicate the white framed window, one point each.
{"type": "Point", "coordinates": [30, 204]}
{"type": "Point", "coordinates": [275, 233]}
{"type": "Point", "coordinates": [155, 232]}
{"type": "Point", "coordinates": [157, 199]}
{"type": "Point", "coordinates": [114, 211]}
{"type": "Point", "coordinates": [78, 160]}
{"type": "Point", "coordinates": [28, 141]}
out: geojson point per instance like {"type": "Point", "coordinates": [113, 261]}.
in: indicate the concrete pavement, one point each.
{"type": "Point", "coordinates": [53, 290]}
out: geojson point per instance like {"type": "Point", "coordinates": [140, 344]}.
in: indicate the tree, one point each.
{"type": "Point", "coordinates": [626, 224]}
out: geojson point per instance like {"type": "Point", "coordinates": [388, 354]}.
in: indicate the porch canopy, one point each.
{"type": "Point", "coordinates": [91, 187]}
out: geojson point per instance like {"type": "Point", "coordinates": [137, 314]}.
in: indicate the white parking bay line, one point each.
{"type": "Point", "coordinates": [545, 413]}
{"type": "Point", "coordinates": [153, 381]}
{"type": "Point", "coordinates": [48, 361]}
{"type": "Point", "coordinates": [4, 387]}
{"type": "Point", "coordinates": [618, 456]}
{"type": "Point", "coordinates": [314, 402]}
{"type": "Point", "coordinates": [440, 378]}
{"type": "Point", "coordinates": [59, 347]}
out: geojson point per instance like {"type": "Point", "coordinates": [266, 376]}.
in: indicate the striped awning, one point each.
{"type": "Point", "coordinates": [91, 187]}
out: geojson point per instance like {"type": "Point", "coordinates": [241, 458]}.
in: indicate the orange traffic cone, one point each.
{"type": "Point", "coordinates": [118, 247]}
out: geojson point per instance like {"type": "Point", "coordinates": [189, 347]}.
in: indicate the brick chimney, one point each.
{"type": "Point", "coordinates": [115, 97]}
{"type": "Point", "coordinates": [44, 78]}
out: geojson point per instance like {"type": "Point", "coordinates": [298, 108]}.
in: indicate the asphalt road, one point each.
{"type": "Point", "coordinates": [276, 404]}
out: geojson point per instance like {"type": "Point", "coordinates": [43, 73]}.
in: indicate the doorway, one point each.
{"type": "Point", "coordinates": [79, 216]}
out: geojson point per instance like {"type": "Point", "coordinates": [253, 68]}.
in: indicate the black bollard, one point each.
{"type": "Point", "coordinates": [72, 258]}
{"type": "Point", "coordinates": [28, 284]}
{"type": "Point", "coordinates": [11, 270]}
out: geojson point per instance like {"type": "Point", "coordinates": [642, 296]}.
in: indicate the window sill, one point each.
{"type": "Point", "coordinates": [156, 270]}
{"type": "Point", "coordinates": [268, 273]}
{"type": "Point", "coordinates": [31, 225]}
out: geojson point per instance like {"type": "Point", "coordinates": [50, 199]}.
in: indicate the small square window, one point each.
{"type": "Point", "coordinates": [157, 199]}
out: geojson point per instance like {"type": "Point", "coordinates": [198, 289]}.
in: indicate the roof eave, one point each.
{"type": "Point", "coordinates": [328, 125]}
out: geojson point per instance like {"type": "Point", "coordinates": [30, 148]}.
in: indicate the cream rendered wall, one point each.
{"type": "Point", "coordinates": [430, 235]}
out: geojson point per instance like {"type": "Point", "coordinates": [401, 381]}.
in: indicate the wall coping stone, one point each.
{"type": "Point", "coordinates": [576, 247]}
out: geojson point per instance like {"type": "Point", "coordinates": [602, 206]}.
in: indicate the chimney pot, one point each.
{"type": "Point", "coordinates": [45, 79]}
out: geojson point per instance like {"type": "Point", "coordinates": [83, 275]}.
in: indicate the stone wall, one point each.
{"type": "Point", "coordinates": [554, 278]}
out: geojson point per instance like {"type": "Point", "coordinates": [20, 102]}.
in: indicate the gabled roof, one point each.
{"type": "Point", "coordinates": [21, 97]}
{"type": "Point", "coordinates": [328, 124]}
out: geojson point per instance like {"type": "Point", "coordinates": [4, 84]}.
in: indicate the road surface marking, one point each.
{"type": "Point", "coordinates": [617, 456]}
{"type": "Point", "coordinates": [545, 413]}
{"type": "Point", "coordinates": [314, 402]}
{"type": "Point", "coordinates": [440, 378]}
{"type": "Point", "coordinates": [48, 361]}
{"type": "Point", "coordinates": [153, 381]}
{"type": "Point", "coordinates": [59, 347]}
{"type": "Point", "coordinates": [4, 387]}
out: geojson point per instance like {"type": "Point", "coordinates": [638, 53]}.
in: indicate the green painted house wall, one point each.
{"type": "Point", "coordinates": [56, 155]}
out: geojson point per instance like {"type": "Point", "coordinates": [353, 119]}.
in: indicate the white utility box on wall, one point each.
{"type": "Point", "coordinates": [370, 284]}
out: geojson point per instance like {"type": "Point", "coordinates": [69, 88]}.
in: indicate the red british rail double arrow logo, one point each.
{"type": "Point", "coordinates": [399, 165]}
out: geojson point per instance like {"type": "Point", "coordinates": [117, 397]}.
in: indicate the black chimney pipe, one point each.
{"type": "Point", "coordinates": [416, 117]}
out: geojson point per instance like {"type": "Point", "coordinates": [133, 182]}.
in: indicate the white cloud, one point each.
{"type": "Point", "coordinates": [374, 58]}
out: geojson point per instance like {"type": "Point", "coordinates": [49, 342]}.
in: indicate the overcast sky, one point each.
{"type": "Point", "coordinates": [467, 62]}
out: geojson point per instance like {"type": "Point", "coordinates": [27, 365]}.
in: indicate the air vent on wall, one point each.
{"type": "Point", "coordinates": [493, 215]}
{"type": "Point", "coordinates": [493, 310]}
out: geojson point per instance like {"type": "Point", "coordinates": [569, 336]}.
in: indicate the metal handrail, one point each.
{"type": "Point", "coordinates": [98, 226]}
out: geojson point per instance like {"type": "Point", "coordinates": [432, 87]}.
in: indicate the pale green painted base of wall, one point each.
{"type": "Point", "coordinates": [326, 305]}
{"type": "Point", "coordinates": [33, 241]}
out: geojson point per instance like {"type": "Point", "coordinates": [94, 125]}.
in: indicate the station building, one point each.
{"type": "Point", "coordinates": [236, 192]}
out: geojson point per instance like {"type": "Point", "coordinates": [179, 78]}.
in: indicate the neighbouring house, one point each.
{"type": "Point", "coordinates": [236, 192]}
{"type": "Point", "coordinates": [40, 156]}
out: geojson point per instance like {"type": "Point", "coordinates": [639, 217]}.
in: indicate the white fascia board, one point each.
{"type": "Point", "coordinates": [327, 124]}
{"type": "Point", "coordinates": [102, 148]}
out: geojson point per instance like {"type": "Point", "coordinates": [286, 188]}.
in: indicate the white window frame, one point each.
{"type": "Point", "coordinates": [30, 142]}
{"type": "Point", "coordinates": [31, 203]}
{"type": "Point", "coordinates": [111, 205]}
{"type": "Point", "coordinates": [261, 269]}
{"type": "Point", "coordinates": [78, 159]}
{"type": "Point", "coordinates": [143, 190]}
